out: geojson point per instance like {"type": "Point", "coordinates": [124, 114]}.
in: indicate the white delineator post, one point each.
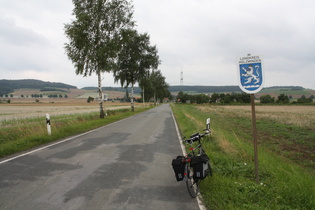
{"type": "Point", "coordinates": [48, 124]}
{"type": "Point", "coordinates": [208, 124]}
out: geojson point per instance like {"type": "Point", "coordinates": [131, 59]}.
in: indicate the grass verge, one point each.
{"type": "Point", "coordinates": [21, 135]}
{"type": "Point", "coordinates": [284, 183]}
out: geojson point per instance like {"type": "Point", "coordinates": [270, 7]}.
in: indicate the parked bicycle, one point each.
{"type": "Point", "coordinates": [194, 166]}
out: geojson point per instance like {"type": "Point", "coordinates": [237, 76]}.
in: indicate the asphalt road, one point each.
{"type": "Point", "coordinates": [125, 165]}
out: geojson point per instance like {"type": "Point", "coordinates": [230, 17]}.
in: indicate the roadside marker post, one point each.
{"type": "Point", "coordinates": [48, 124]}
{"type": "Point", "coordinates": [251, 81]}
{"type": "Point", "coordinates": [208, 124]}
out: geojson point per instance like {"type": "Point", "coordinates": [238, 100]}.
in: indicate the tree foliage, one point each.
{"type": "Point", "coordinates": [159, 85]}
{"type": "Point", "coordinates": [222, 98]}
{"type": "Point", "coordinates": [266, 99]}
{"type": "Point", "coordinates": [135, 59]}
{"type": "Point", "coordinates": [283, 99]}
{"type": "Point", "coordinates": [95, 36]}
{"type": "Point", "coordinates": [204, 89]}
{"type": "Point", "coordinates": [155, 87]}
{"type": "Point", "coordinates": [304, 100]}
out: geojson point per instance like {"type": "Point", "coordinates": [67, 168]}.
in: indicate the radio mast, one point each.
{"type": "Point", "coordinates": [181, 80]}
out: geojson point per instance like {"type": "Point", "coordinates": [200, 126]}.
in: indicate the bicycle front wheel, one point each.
{"type": "Point", "coordinates": [192, 184]}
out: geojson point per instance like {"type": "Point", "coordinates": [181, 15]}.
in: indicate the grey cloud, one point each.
{"type": "Point", "coordinates": [204, 38]}
{"type": "Point", "coordinates": [11, 34]}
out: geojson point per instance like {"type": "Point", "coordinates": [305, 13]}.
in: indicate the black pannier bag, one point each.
{"type": "Point", "coordinates": [179, 167]}
{"type": "Point", "coordinates": [200, 166]}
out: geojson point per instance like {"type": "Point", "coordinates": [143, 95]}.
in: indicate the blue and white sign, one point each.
{"type": "Point", "coordinates": [250, 74]}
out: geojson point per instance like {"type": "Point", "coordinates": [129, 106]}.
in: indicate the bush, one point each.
{"type": "Point", "coordinates": [90, 99]}
{"type": "Point", "coordinates": [283, 99]}
{"type": "Point", "coordinates": [267, 99]}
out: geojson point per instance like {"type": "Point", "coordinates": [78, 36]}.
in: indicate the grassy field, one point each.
{"type": "Point", "coordinates": [286, 155]}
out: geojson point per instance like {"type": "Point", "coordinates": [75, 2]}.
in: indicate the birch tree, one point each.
{"type": "Point", "coordinates": [95, 37]}
{"type": "Point", "coordinates": [135, 59]}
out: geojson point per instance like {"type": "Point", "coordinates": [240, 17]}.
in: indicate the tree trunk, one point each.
{"type": "Point", "coordinates": [143, 95]}
{"type": "Point", "coordinates": [154, 99]}
{"type": "Point", "coordinates": [100, 95]}
{"type": "Point", "coordinates": [132, 101]}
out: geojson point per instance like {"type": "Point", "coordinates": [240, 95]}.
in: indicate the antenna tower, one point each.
{"type": "Point", "coordinates": [181, 78]}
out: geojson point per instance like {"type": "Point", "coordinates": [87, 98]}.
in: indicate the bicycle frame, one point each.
{"type": "Point", "coordinates": [192, 180]}
{"type": "Point", "coordinates": [198, 147]}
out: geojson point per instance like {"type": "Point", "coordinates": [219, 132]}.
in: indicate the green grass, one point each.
{"type": "Point", "coordinates": [284, 183]}
{"type": "Point", "coordinates": [21, 135]}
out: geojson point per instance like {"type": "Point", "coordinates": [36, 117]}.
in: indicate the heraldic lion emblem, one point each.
{"type": "Point", "coordinates": [250, 74]}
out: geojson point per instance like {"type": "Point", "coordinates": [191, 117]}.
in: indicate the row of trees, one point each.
{"type": "Point", "coordinates": [241, 98]}
{"type": "Point", "coordinates": [38, 96]}
{"type": "Point", "coordinates": [214, 98]}
{"type": "Point", "coordinates": [57, 96]}
{"type": "Point", "coordinates": [284, 99]}
{"type": "Point", "coordinates": [103, 38]}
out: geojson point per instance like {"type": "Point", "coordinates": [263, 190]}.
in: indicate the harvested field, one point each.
{"type": "Point", "coordinates": [286, 130]}
{"type": "Point", "coordinates": [32, 110]}
{"type": "Point", "coordinates": [294, 115]}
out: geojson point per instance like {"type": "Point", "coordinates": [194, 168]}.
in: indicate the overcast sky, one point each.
{"type": "Point", "coordinates": [202, 38]}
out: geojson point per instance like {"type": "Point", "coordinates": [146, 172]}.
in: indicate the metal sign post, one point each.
{"type": "Point", "coordinates": [251, 81]}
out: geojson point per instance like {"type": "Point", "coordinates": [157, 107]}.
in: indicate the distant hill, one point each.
{"type": "Point", "coordinates": [8, 86]}
{"type": "Point", "coordinates": [294, 91]}
{"type": "Point", "coordinates": [175, 89]}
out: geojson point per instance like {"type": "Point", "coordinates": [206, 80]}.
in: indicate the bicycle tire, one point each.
{"type": "Point", "coordinates": [192, 184]}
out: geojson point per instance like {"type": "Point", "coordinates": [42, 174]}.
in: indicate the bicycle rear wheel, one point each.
{"type": "Point", "coordinates": [192, 184]}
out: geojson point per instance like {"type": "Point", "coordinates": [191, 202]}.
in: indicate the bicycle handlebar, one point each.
{"type": "Point", "coordinates": [197, 136]}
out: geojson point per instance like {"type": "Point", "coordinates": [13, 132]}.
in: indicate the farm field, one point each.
{"type": "Point", "coordinates": [71, 93]}
{"type": "Point", "coordinates": [22, 109]}
{"type": "Point", "coordinates": [286, 130]}
{"type": "Point", "coordinates": [294, 115]}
